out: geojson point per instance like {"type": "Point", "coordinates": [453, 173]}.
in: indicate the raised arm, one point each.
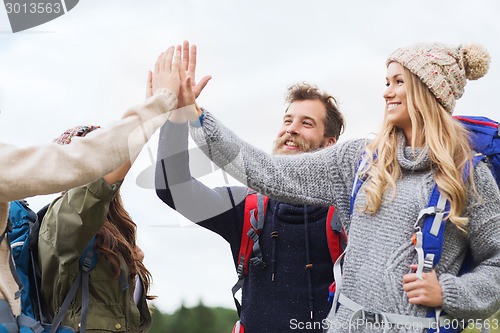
{"type": "Point", "coordinates": [323, 177]}
{"type": "Point", "coordinates": [177, 188]}
{"type": "Point", "coordinates": [52, 168]}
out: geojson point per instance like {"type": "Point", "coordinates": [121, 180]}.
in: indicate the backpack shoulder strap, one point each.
{"type": "Point", "coordinates": [253, 222]}
{"type": "Point", "coordinates": [337, 250]}
{"type": "Point", "coordinates": [7, 320]}
{"type": "Point", "coordinates": [88, 260]}
{"type": "Point", "coordinates": [21, 217]}
{"type": "Point", "coordinates": [430, 239]}
{"type": "Point", "coordinates": [359, 178]}
{"type": "Point", "coordinates": [335, 234]}
{"type": "Point", "coordinates": [485, 139]}
{"type": "Point", "coordinates": [34, 231]}
{"type": "Point", "coordinates": [337, 244]}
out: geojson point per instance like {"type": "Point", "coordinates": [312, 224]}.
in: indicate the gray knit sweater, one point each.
{"type": "Point", "coordinates": [380, 250]}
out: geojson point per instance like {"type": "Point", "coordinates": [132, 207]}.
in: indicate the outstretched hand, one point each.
{"type": "Point", "coordinates": [180, 79]}
{"type": "Point", "coordinates": [427, 292]}
{"type": "Point", "coordinates": [189, 53]}
{"type": "Point", "coordinates": [166, 72]}
{"type": "Point", "coordinates": [187, 109]}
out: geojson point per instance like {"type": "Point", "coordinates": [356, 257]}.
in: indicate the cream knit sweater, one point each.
{"type": "Point", "coordinates": [53, 168]}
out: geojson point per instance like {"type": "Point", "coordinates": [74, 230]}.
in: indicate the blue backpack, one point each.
{"type": "Point", "coordinates": [22, 234]}
{"type": "Point", "coordinates": [485, 140]}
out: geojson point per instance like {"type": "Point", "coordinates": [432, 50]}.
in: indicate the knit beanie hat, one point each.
{"type": "Point", "coordinates": [66, 137]}
{"type": "Point", "coordinates": [443, 68]}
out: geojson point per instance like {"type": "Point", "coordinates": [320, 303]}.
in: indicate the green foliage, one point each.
{"type": "Point", "coordinates": [194, 320]}
{"type": "Point", "coordinates": [492, 323]}
{"type": "Point", "coordinates": [216, 320]}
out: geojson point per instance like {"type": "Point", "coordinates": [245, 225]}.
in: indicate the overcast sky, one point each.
{"type": "Point", "coordinates": [90, 65]}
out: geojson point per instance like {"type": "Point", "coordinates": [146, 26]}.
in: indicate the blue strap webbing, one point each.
{"type": "Point", "coordinates": [433, 225]}
{"type": "Point", "coordinates": [433, 244]}
{"type": "Point", "coordinates": [8, 322]}
{"type": "Point", "coordinates": [28, 322]}
{"type": "Point", "coordinates": [88, 260]}
{"type": "Point", "coordinates": [359, 178]}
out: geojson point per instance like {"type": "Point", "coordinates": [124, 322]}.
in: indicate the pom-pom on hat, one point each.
{"type": "Point", "coordinates": [443, 68]}
{"type": "Point", "coordinates": [66, 137]}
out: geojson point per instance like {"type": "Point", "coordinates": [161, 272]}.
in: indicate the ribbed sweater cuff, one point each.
{"type": "Point", "coordinates": [166, 100]}
{"type": "Point", "coordinates": [210, 124]}
{"type": "Point", "coordinates": [207, 131]}
{"type": "Point", "coordinates": [451, 294]}
{"type": "Point", "coordinates": [163, 101]}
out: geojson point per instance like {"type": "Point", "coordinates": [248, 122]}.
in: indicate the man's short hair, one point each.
{"type": "Point", "coordinates": [334, 123]}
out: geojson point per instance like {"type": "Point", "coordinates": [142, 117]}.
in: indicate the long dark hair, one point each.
{"type": "Point", "coordinates": [116, 237]}
{"type": "Point", "coordinates": [118, 233]}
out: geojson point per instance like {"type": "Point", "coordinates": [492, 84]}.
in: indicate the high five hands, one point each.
{"type": "Point", "coordinates": [166, 72]}
{"type": "Point", "coordinates": [189, 64]}
{"type": "Point", "coordinates": [179, 77]}
{"type": "Point", "coordinates": [186, 88]}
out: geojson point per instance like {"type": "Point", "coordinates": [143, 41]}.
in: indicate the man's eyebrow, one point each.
{"type": "Point", "coordinates": [309, 117]}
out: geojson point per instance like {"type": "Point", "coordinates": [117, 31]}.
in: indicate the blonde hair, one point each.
{"type": "Point", "coordinates": [433, 128]}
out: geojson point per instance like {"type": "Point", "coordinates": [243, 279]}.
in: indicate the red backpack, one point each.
{"type": "Point", "coordinates": [250, 252]}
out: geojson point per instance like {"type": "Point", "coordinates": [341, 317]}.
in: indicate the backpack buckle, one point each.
{"type": "Point", "coordinates": [239, 268]}
{"type": "Point", "coordinates": [372, 317]}
{"type": "Point", "coordinates": [428, 263]}
{"type": "Point", "coordinates": [253, 235]}
{"type": "Point", "coordinates": [87, 262]}
{"type": "Point", "coordinates": [258, 262]}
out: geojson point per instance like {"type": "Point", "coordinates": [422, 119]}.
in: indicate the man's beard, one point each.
{"type": "Point", "coordinates": [279, 143]}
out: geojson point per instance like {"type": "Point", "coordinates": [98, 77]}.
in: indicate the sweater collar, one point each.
{"type": "Point", "coordinates": [294, 214]}
{"type": "Point", "coordinates": [413, 159]}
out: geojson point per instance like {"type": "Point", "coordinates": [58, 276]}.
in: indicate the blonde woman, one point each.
{"type": "Point", "coordinates": [420, 145]}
